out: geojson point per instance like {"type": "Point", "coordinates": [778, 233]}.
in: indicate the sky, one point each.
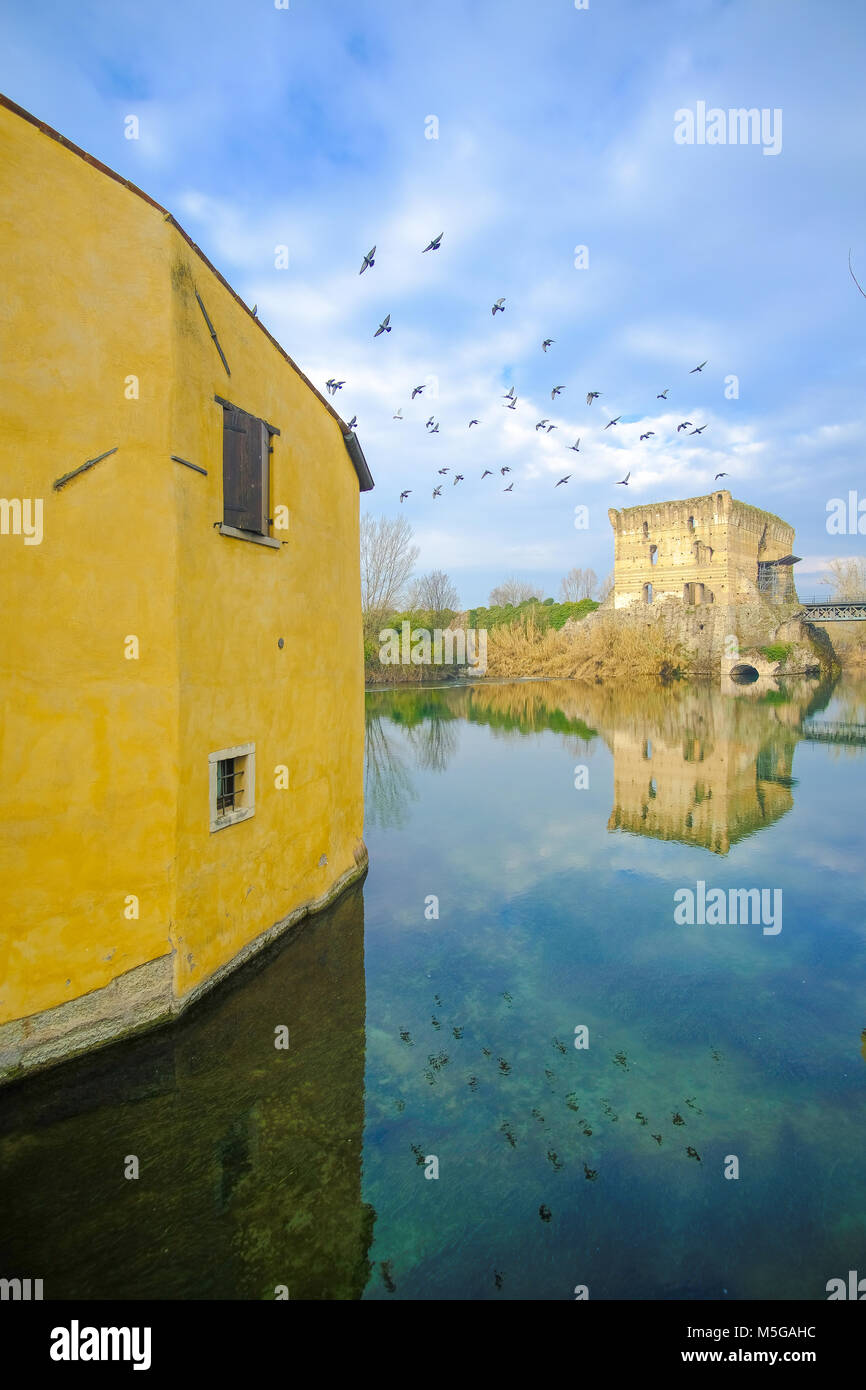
{"type": "Point", "coordinates": [522, 132]}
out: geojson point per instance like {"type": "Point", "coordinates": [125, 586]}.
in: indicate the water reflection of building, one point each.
{"type": "Point", "coordinates": [700, 788]}
{"type": "Point", "coordinates": [250, 1156]}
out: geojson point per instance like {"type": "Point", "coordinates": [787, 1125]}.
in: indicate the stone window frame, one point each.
{"type": "Point", "coordinates": [239, 813]}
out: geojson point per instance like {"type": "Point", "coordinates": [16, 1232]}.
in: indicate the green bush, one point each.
{"type": "Point", "coordinates": [777, 651]}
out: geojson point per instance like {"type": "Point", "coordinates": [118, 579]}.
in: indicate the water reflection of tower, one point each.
{"type": "Point", "coordinates": [711, 787]}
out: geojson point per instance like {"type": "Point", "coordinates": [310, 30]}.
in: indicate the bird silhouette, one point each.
{"type": "Point", "coordinates": [398, 416]}
{"type": "Point", "coordinates": [509, 394]}
{"type": "Point", "coordinates": [499, 306]}
{"type": "Point", "coordinates": [592, 396]}
{"type": "Point", "coordinates": [368, 260]}
{"type": "Point", "coordinates": [555, 392]}
{"type": "Point", "coordinates": [505, 470]}
{"type": "Point", "coordinates": [512, 405]}
{"type": "Point", "coordinates": [552, 427]}
{"type": "Point", "coordinates": [508, 489]}
{"type": "Point", "coordinates": [649, 434]}
{"type": "Point", "coordinates": [353, 422]}
{"type": "Point", "coordinates": [684, 426]}
{"type": "Point", "coordinates": [663, 395]}
{"type": "Point", "coordinates": [623, 482]}
{"type": "Point", "coordinates": [437, 491]}
{"type": "Point", "coordinates": [458, 478]}
{"type": "Point", "coordinates": [473, 422]}
{"type": "Point", "coordinates": [435, 243]}
{"type": "Point", "coordinates": [575, 447]}
{"type": "Point", "coordinates": [255, 311]}
{"type": "Point", "coordinates": [700, 430]}
{"type": "Point", "coordinates": [384, 326]}
{"type": "Point", "coordinates": [547, 342]}
{"type": "Point", "coordinates": [697, 369]}
{"type": "Point", "coordinates": [443, 470]}
{"type": "Point", "coordinates": [404, 495]}
{"type": "Point", "coordinates": [429, 423]}
{"type": "Point", "coordinates": [435, 429]}
{"type": "Point", "coordinates": [563, 480]}
{"type": "Point", "coordinates": [614, 421]}
{"type": "Point", "coordinates": [541, 424]}
{"type": "Point", "coordinates": [417, 391]}
{"type": "Point", "coordinates": [721, 475]}
{"type": "Point", "coordinates": [487, 473]}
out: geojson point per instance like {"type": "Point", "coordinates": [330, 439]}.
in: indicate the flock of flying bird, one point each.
{"type": "Point", "coordinates": [332, 386]}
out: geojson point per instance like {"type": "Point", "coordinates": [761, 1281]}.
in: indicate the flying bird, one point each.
{"type": "Point", "coordinates": [435, 429]}
{"type": "Point", "coordinates": [473, 422]}
{"type": "Point", "coordinates": [508, 489]}
{"type": "Point", "coordinates": [512, 405]}
{"type": "Point", "coordinates": [505, 470]}
{"type": "Point", "coordinates": [417, 391]}
{"type": "Point", "coordinates": [592, 396]}
{"type": "Point", "coordinates": [404, 495]}
{"type": "Point", "coordinates": [684, 426]}
{"type": "Point", "coordinates": [699, 431]}
{"type": "Point", "coordinates": [353, 422]}
{"type": "Point", "coordinates": [623, 482]}
{"type": "Point", "coordinates": [663, 395]}
{"type": "Point", "coordinates": [613, 421]}
{"type": "Point", "coordinates": [697, 369]}
{"type": "Point", "coordinates": [368, 260]}
{"type": "Point", "coordinates": [255, 311]}
{"type": "Point", "coordinates": [509, 394]}
{"type": "Point", "coordinates": [547, 342]}
{"type": "Point", "coordinates": [437, 491]}
{"type": "Point", "coordinates": [541, 424]}
{"type": "Point", "coordinates": [555, 392]}
{"type": "Point", "coordinates": [435, 243]}
{"type": "Point", "coordinates": [384, 326]}
{"type": "Point", "coordinates": [487, 473]}
{"type": "Point", "coordinates": [499, 305]}
{"type": "Point", "coordinates": [429, 423]}
{"type": "Point", "coordinates": [563, 480]}
{"type": "Point", "coordinates": [649, 434]}
{"type": "Point", "coordinates": [721, 475]}
{"type": "Point", "coordinates": [398, 416]}
{"type": "Point", "coordinates": [575, 447]}
{"type": "Point", "coordinates": [443, 470]}
{"type": "Point", "coordinates": [458, 478]}
{"type": "Point", "coordinates": [552, 427]}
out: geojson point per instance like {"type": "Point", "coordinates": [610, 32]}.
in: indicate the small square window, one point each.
{"type": "Point", "coordinates": [231, 785]}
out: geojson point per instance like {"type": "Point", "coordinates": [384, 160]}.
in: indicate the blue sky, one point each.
{"type": "Point", "coordinates": [306, 127]}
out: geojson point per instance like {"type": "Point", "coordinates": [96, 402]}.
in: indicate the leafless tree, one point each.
{"type": "Point", "coordinates": [577, 584]}
{"type": "Point", "coordinates": [513, 590]}
{"type": "Point", "coordinates": [434, 593]}
{"type": "Point", "coordinates": [387, 560]}
{"type": "Point", "coordinates": [606, 587]}
{"type": "Point", "coordinates": [847, 577]}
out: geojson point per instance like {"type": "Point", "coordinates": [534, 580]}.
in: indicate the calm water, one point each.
{"type": "Point", "coordinates": [415, 1035]}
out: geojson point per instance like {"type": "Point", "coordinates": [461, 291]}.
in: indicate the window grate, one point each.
{"type": "Point", "coordinates": [229, 784]}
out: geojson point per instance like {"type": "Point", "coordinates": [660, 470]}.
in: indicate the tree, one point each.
{"type": "Point", "coordinates": [577, 584]}
{"type": "Point", "coordinates": [606, 588]}
{"type": "Point", "coordinates": [434, 593]}
{"type": "Point", "coordinates": [513, 590]}
{"type": "Point", "coordinates": [387, 560]}
{"type": "Point", "coordinates": [847, 577]}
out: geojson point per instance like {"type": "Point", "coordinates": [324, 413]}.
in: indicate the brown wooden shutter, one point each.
{"type": "Point", "coordinates": [245, 459]}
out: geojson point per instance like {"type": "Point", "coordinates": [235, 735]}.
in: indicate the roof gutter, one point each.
{"type": "Point", "coordinates": [356, 454]}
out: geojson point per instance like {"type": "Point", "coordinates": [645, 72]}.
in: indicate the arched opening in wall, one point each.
{"type": "Point", "coordinates": [743, 674]}
{"type": "Point", "coordinates": [653, 788]}
{"type": "Point", "coordinates": [719, 498]}
{"type": "Point", "coordinates": [647, 593]}
{"type": "Point", "coordinates": [688, 593]}
{"type": "Point", "coordinates": [646, 529]}
{"type": "Point", "coordinates": [691, 523]}
{"type": "Point", "coordinates": [654, 554]}
{"type": "Point", "coordinates": [648, 749]}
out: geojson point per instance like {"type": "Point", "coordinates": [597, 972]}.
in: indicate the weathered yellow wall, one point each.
{"type": "Point", "coordinates": [105, 786]}
{"type": "Point", "coordinates": [87, 795]}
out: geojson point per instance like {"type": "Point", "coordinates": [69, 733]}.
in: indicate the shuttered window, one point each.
{"type": "Point", "coordinates": [246, 471]}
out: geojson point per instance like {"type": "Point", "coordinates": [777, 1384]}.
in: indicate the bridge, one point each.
{"type": "Point", "coordinates": [834, 610]}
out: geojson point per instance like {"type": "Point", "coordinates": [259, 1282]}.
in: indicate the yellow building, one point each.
{"type": "Point", "coordinates": [710, 549]}
{"type": "Point", "coordinates": [180, 640]}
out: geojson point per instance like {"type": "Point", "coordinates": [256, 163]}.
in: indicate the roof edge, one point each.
{"type": "Point", "coordinates": [354, 451]}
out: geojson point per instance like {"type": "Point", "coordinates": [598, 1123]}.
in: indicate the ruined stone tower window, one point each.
{"type": "Point", "coordinates": [654, 554]}
{"type": "Point", "coordinates": [646, 529]}
{"type": "Point", "coordinates": [691, 523]}
{"type": "Point", "coordinates": [647, 593]}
